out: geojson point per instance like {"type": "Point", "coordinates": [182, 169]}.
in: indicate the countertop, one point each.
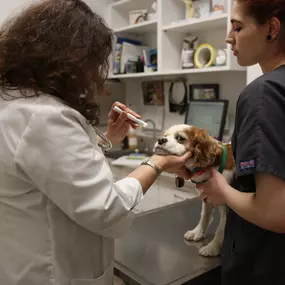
{"type": "Point", "coordinates": [125, 161]}
{"type": "Point", "coordinates": [154, 251]}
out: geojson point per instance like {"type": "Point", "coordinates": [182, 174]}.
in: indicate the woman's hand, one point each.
{"type": "Point", "coordinates": [172, 163]}
{"type": "Point", "coordinates": [184, 173]}
{"type": "Point", "coordinates": [215, 188]}
{"type": "Point", "coordinates": [118, 124]}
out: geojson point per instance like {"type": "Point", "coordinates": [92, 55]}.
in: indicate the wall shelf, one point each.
{"type": "Point", "coordinates": [140, 28]}
{"type": "Point", "coordinates": [172, 72]}
{"type": "Point", "coordinates": [211, 23]}
{"type": "Point", "coordinates": [130, 4]}
{"type": "Point", "coordinates": [121, 3]}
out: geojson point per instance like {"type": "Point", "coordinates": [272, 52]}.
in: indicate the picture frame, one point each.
{"type": "Point", "coordinates": [153, 93]}
{"type": "Point", "coordinates": [204, 91]}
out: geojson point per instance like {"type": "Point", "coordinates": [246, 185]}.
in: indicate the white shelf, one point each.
{"type": "Point", "coordinates": [197, 70]}
{"type": "Point", "coordinates": [206, 24]}
{"type": "Point", "coordinates": [134, 75]}
{"type": "Point", "coordinates": [172, 72]}
{"type": "Point", "coordinates": [140, 28]}
{"type": "Point", "coordinates": [128, 5]}
{"type": "Point", "coordinates": [121, 3]}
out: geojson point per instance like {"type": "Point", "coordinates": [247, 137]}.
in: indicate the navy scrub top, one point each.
{"type": "Point", "coordinates": [251, 254]}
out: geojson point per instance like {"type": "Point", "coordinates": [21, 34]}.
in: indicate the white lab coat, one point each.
{"type": "Point", "coordinates": [59, 208]}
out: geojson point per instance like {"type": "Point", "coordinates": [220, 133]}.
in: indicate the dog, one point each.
{"type": "Point", "coordinates": [206, 152]}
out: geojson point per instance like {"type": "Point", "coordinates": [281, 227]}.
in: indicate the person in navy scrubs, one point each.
{"type": "Point", "coordinates": [254, 242]}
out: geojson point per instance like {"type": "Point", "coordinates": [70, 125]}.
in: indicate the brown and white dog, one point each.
{"type": "Point", "coordinates": [206, 152]}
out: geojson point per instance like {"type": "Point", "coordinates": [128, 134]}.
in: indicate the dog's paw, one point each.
{"type": "Point", "coordinates": [210, 250]}
{"type": "Point", "coordinates": [196, 235]}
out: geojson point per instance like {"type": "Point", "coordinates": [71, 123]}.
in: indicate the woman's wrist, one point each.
{"type": "Point", "coordinates": [110, 138]}
{"type": "Point", "coordinates": [226, 193]}
{"type": "Point", "coordinates": [159, 161]}
{"type": "Point", "coordinates": [107, 136]}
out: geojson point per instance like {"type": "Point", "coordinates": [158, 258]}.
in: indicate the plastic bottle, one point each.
{"type": "Point", "coordinates": [132, 139]}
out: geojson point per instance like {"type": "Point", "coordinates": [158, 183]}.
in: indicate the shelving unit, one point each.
{"type": "Point", "coordinates": [172, 72]}
{"type": "Point", "coordinates": [122, 3]}
{"type": "Point", "coordinates": [128, 5]}
{"type": "Point", "coordinates": [209, 23]}
{"type": "Point", "coordinates": [141, 28]}
{"type": "Point", "coordinates": [167, 33]}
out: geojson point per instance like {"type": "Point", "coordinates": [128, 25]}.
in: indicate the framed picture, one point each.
{"type": "Point", "coordinates": [204, 91]}
{"type": "Point", "coordinates": [153, 93]}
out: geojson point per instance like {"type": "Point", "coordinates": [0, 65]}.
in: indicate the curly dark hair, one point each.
{"type": "Point", "coordinates": [57, 47]}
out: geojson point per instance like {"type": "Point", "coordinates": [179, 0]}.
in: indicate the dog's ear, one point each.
{"type": "Point", "coordinates": [204, 151]}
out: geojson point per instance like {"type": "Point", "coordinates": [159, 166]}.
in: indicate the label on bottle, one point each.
{"type": "Point", "coordinates": [133, 142]}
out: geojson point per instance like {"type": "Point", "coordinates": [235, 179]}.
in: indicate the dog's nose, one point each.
{"type": "Point", "coordinates": [162, 141]}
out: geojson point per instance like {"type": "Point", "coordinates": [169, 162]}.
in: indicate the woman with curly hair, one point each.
{"type": "Point", "coordinates": [60, 209]}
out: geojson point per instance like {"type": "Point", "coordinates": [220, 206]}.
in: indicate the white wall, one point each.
{"type": "Point", "coordinates": [253, 72]}
{"type": "Point", "coordinates": [100, 7]}
{"type": "Point", "coordinates": [10, 7]}
{"type": "Point", "coordinates": [231, 84]}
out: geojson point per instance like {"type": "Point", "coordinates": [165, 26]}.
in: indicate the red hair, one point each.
{"type": "Point", "coordinates": [263, 10]}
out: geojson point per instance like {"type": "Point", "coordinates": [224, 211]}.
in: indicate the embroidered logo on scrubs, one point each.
{"type": "Point", "coordinates": [247, 164]}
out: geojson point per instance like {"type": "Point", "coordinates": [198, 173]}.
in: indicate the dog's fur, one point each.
{"type": "Point", "coordinates": [206, 151]}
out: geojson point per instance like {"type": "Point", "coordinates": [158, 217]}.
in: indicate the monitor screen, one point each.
{"type": "Point", "coordinates": [209, 115]}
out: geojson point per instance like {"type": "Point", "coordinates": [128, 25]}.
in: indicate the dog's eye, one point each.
{"type": "Point", "coordinates": [180, 138]}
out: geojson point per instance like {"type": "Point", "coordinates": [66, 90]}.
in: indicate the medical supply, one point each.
{"type": "Point", "coordinates": [189, 46]}
{"type": "Point", "coordinates": [132, 138]}
{"type": "Point", "coordinates": [204, 56]}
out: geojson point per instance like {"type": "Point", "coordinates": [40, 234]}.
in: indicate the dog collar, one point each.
{"type": "Point", "coordinates": [224, 160]}
{"type": "Point", "coordinates": [200, 171]}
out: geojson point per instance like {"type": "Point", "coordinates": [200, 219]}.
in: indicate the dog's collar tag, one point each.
{"type": "Point", "coordinates": [179, 182]}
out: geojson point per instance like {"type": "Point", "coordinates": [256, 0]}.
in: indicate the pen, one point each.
{"type": "Point", "coordinates": [131, 117]}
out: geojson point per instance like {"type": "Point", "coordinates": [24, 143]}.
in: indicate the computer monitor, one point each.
{"type": "Point", "coordinates": [209, 115]}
